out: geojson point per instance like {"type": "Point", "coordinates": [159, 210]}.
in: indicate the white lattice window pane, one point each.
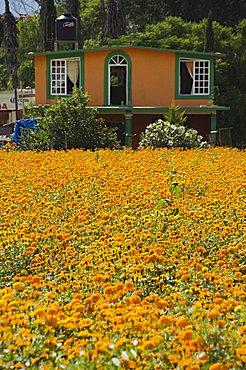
{"type": "Point", "coordinates": [58, 77]}
{"type": "Point", "coordinates": [118, 60]}
{"type": "Point", "coordinates": [201, 77]}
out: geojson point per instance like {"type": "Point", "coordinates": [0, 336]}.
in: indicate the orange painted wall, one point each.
{"type": "Point", "coordinates": [40, 79]}
{"type": "Point", "coordinates": [153, 74]}
{"type": "Point", "coordinates": [94, 75]}
{"type": "Point", "coordinates": [153, 78]}
{"type": "Point", "coordinates": [191, 102]}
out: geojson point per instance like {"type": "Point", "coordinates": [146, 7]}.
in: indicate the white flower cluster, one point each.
{"type": "Point", "coordinates": [162, 134]}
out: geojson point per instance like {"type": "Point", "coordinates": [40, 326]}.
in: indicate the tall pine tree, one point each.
{"type": "Point", "coordinates": [47, 24]}
{"type": "Point", "coordinates": [10, 45]}
{"type": "Point", "coordinates": [209, 33]}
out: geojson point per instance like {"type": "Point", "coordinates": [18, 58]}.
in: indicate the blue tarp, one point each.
{"type": "Point", "coordinates": [30, 123]}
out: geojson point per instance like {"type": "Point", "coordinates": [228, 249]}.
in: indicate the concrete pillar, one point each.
{"type": "Point", "coordinates": [213, 129]}
{"type": "Point", "coordinates": [128, 129]}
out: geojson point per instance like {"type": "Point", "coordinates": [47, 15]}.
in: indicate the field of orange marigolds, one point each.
{"type": "Point", "coordinates": [123, 259]}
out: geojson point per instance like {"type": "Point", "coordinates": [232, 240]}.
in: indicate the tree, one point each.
{"type": "Point", "coordinates": [10, 45]}
{"type": "Point", "coordinates": [209, 33]}
{"type": "Point", "coordinates": [4, 76]}
{"type": "Point", "coordinates": [116, 19]}
{"type": "Point", "coordinates": [28, 38]}
{"type": "Point", "coordinates": [231, 72]}
{"type": "Point", "coordinates": [69, 123]}
{"type": "Point", "coordinates": [47, 24]}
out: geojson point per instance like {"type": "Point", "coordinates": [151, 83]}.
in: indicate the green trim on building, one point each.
{"type": "Point", "coordinates": [129, 75]}
{"type": "Point", "coordinates": [213, 122]}
{"type": "Point", "coordinates": [60, 55]}
{"type": "Point", "coordinates": [213, 128]}
{"type": "Point", "coordinates": [180, 55]}
{"type": "Point", "coordinates": [113, 48]}
{"type": "Point", "coordinates": [138, 110]}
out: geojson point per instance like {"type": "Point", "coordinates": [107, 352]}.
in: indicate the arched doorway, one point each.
{"type": "Point", "coordinates": [118, 80]}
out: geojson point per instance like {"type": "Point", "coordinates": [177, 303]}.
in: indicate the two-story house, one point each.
{"type": "Point", "coordinates": [132, 86]}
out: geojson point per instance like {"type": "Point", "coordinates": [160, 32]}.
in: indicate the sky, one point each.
{"type": "Point", "coordinates": [17, 7]}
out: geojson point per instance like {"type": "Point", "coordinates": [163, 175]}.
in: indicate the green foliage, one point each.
{"type": "Point", "coordinates": [175, 116]}
{"type": "Point", "coordinates": [26, 73]}
{"type": "Point", "coordinates": [91, 21]}
{"type": "Point", "coordinates": [69, 123]}
{"type": "Point", "coordinates": [28, 35]}
{"type": "Point", "coordinates": [230, 78]}
{"type": "Point", "coordinates": [173, 33]}
{"type": "Point", "coordinates": [37, 139]}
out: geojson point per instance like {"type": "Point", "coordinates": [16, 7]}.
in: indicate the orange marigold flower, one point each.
{"type": "Point", "coordinates": [135, 299]}
{"type": "Point", "coordinates": [119, 286]}
{"type": "Point", "coordinates": [213, 314]}
{"type": "Point", "coordinates": [165, 320]}
{"type": "Point", "coordinates": [88, 301]}
{"type": "Point", "coordinates": [221, 322]}
{"type": "Point", "coordinates": [228, 281]}
{"type": "Point", "coordinates": [39, 312]}
{"type": "Point", "coordinates": [188, 334]}
{"type": "Point", "coordinates": [216, 366]}
{"type": "Point", "coordinates": [78, 296]}
{"type": "Point", "coordinates": [13, 304]}
{"type": "Point", "coordinates": [19, 286]}
{"type": "Point", "coordinates": [129, 285]}
{"type": "Point", "coordinates": [79, 308]}
{"type": "Point", "coordinates": [182, 322]}
{"type": "Point", "coordinates": [162, 303]}
{"type": "Point", "coordinates": [149, 344]}
{"type": "Point", "coordinates": [52, 310]}
{"type": "Point", "coordinates": [109, 290]}
{"type": "Point", "coordinates": [218, 300]}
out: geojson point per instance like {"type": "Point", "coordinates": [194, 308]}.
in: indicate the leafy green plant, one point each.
{"type": "Point", "coordinates": [70, 123]}
{"type": "Point", "coordinates": [175, 116]}
{"type": "Point", "coordinates": [34, 140]}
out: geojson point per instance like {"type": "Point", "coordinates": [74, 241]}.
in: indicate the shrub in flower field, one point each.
{"type": "Point", "coordinates": [123, 259]}
{"type": "Point", "coordinates": [171, 132]}
{"type": "Point", "coordinates": [69, 123]}
{"type": "Point", "coordinates": [161, 134]}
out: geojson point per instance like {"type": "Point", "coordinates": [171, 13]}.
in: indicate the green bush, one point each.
{"type": "Point", "coordinates": [37, 139]}
{"type": "Point", "coordinates": [70, 123]}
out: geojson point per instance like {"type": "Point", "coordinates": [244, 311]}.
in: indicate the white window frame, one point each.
{"type": "Point", "coordinates": [60, 76]}
{"type": "Point", "coordinates": [117, 61]}
{"type": "Point", "coordinates": [201, 80]}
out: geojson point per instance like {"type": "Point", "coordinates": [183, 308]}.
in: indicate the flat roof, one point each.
{"type": "Point", "coordinates": [76, 51]}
